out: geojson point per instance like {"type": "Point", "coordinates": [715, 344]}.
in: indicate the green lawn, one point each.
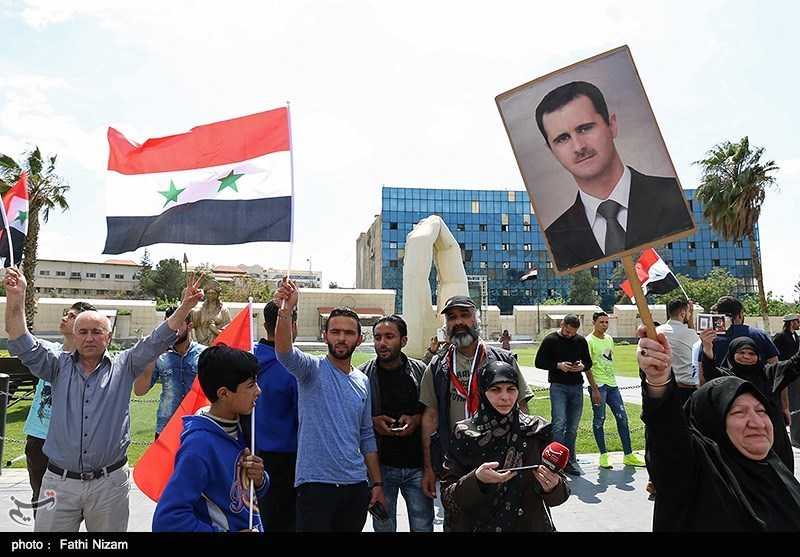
{"type": "Point", "coordinates": [143, 414]}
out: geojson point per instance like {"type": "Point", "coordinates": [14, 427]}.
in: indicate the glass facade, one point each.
{"type": "Point", "coordinates": [501, 240]}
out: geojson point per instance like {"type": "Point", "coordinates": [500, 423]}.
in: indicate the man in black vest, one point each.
{"type": "Point", "coordinates": [449, 387]}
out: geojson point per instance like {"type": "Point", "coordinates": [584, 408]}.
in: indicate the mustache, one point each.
{"type": "Point", "coordinates": [584, 153]}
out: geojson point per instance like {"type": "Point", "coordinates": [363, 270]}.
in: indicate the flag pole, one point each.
{"type": "Point", "coordinates": [253, 413]}
{"type": "Point", "coordinates": [538, 306]}
{"type": "Point", "coordinates": [24, 178]}
{"type": "Point", "coordinates": [291, 173]}
{"type": "Point", "coordinates": [639, 296]}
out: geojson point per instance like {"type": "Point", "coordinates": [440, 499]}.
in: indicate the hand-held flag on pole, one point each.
{"type": "Point", "coordinates": [190, 188]}
{"type": "Point", "coordinates": [532, 274]}
{"type": "Point", "coordinates": [655, 276]}
{"type": "Point", "coordinates": [15, 222]}
{"type": "Point", "coordinates": [154, 469]}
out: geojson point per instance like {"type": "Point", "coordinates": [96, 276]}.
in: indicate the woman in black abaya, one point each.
{"type": "Point", "coordinates": [712, 461]}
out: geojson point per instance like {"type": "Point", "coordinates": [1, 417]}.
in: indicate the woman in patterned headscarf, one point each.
{"type": "Point", "coordinates": [499, 436]}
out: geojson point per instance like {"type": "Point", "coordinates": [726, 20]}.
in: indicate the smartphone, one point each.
{"type": "Point", "coordinates": [440, 336]}
{"type": "Point", "coordinates": [576, 363]}
{"type": "Point", "coordinates": [531, 467]}
{"type": "Point", "coordinates": [379, 511]}
{"type": "Point", "coordinates": [397, 427]}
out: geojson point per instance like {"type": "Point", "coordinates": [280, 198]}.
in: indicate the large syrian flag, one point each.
{"type": "Point", "coordinates": [223, 183]}
{"type": "Point", "coordinates": [15, 222]}
{"type": "Point", "coordinates": [655, 276]}
{"type": "Point", "coordinates": [154, 468]}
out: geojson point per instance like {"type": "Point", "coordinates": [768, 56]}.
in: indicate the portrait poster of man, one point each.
{"type": "Point", "coordinates": [593, 160]}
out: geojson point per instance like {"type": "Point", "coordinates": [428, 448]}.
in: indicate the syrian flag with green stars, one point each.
{"type": "Point", "coordinates": [225, 183]}
{"type": "Point", "coordinates": [15, 221]}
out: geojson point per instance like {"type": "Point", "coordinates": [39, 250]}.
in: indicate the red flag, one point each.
{"type": "Point", "coordinates": [14, 208]}
{"type": "Point", "coordinates": [154, 469]}
{"type": "Point", "coordinates": [533, 273]}
{"type": "Point", "coordinates": [655, 276]}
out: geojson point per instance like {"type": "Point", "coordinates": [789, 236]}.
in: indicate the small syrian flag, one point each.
{"type": "Point", "coordinates": [532, 274]}
{"type": "Point", "coordinates": [15, 222]}
{"type": "Point", "coordinates": [655, 276]}
{"type": "Point", "coordinates": [218, 184]}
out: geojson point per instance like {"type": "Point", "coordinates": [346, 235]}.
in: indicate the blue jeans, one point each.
{"type": "Point", "coordinates": [419, 506]}
{"type": "Point", "coordinates": [566, 406]}
{"type": "Point", "coordinates": [612, 397]}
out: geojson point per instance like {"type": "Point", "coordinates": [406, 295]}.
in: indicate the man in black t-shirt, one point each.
{"type": "Point", "coordinates": [565, 356]}
{"type": "Point", "coordinates": [396, 416]}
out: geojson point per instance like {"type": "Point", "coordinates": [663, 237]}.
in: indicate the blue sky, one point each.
{"type": "Point", "coordinates": [395, 94]}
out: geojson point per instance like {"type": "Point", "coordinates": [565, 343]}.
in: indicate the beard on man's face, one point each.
{"type": "Point", "coordinates": [462, 336]}
{"type": "Point", "coordinates": [339, 355]}
{"type": "Point", "coordinates": [182, 336]}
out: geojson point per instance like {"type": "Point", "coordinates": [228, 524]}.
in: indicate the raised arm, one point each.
{"type": "Point", "coordinates": [15, 286]}
{"type": "Point", "coordinates": [192, 294]}
{"type": "Point", "coordinates": [286, 297]}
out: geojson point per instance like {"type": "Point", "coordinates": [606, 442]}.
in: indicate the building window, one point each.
{"type": "Point", "coordinates": [528, 292]}
{"type": "Point", "coordinates": [482, 227]}
{"type": "Point", "coordinates": [506, 265]}
{"type": "Point", "coordinates": [526, 227]}
{"type": "Point", "coordinates": [393, 263]}
{"type": "Point", "coordinates": [484, 265]}
{"type": "Point", "coordinates": [393, 245]}
{"type": "Point", "coordinates": [715, 262]}
{"type": "Point", "coordinates": [692, 263]}
{"type": "Point", "coordinates": [512, 196]}
{"type": "Point", "coordinates": [461, 227]}
{"type": "Point", "coordinates": [548, 265]}
{"type": "Point", "coordinates": [74, 275]}
{"type": "Point", "coordinates": [742, 262]}
{"type": "Point", "coordinates": [44, 273]}
{"type": "Point", "coordinates": [105, 275]}
{"type": "Point", "coordinates": [690, 245]}
{"type": "Point", "coordinates": [506, 292]}
{"type": "Point", "coordinates": [61, 273]}
{"type": "Point", "coordinates": [504, 228]}
{"type": "Point", "coordinates": [715, 244]}
{"type": "Point", "coordinates": [505, 246]}
{"type": "Point", "coordinates": [483, 247]}
{"type": "Point", "coordinates": [617, 264]}
{"type": "Point", "coordinates": [738, 244]}
{"type": "Point", "coordinates": [551, 292]}
{"type": "Point", "coordinates": [120, 277]}
{"type": "Point", "coordinates": [91, 275]}
{"type": "Point", "coordinates": [526, 247]}
{"type": "Point", "coordinates": [392, 226]}
{"type": "Point", "coordinates": [476, 207]}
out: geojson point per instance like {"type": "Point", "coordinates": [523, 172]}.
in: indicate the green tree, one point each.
{"type": "Point", "coordinates": [166, 281]}
{"type": "Point", "coordinates": [706, 291]}
{"type": "Point", "coordinates": [775, 306]}
{"type": "Point", "coordinates": [554, 300]}
{"type": "Point", "coordinates": [733, 187]}
{"type": "Point", "coordinates": [583, 289]}
{"type": "Point", "coordinates": [243, 288]}
{"type": "Point", "coordinates": [46, 191]}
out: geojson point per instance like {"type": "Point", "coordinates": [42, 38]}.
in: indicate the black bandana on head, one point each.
{"type": "Point", "coordinates": [490, 436]}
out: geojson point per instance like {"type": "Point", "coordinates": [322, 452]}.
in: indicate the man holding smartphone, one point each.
{"type": "Point", "coordinates": [565, 356]}
{"type": "Point", "coordinates": [394, 380]}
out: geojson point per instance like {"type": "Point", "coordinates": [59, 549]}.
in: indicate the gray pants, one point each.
{"type": "Point", "coordinates": [103, 503]}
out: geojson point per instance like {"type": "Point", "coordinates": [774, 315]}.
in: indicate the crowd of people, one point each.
{"type": "Point", "coordinates": [337, 444]}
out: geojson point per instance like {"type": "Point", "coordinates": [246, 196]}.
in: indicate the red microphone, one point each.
{"type": "Point", "coordinates": [555, 456]}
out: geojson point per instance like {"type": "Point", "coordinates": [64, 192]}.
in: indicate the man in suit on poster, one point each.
{"type": "Point", "coordinates": [617, 208]}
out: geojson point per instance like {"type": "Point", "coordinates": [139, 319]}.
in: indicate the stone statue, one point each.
{"type": "Point", "coordinates": [430, 242]}
{"type": "Point", "coordinates": [212, 316]}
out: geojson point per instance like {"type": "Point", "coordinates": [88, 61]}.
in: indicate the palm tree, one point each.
{"type": "Point", "coordinates": [732, 190]}
{"type": "Point", "coordinates": [46, 191]}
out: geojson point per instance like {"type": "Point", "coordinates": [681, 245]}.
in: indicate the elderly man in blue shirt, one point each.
{"type": "Point", "coordinates": [87, 475]}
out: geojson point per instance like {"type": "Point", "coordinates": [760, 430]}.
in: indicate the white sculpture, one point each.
{"type": "Point", "coordinates": [429, 242]}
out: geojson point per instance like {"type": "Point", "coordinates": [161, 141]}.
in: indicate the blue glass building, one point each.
{"type": "Point", "coordinates": [500, 240]}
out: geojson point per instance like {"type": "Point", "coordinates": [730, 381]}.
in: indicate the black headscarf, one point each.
{"type": "Point", "coordinates": [754, 372]}
{"type": "Point", "coordinates": [490, 436]}
{"type": "Point", "coordinates": [766, 490]}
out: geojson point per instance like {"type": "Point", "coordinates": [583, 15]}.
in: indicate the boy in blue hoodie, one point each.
{"type": "Point", "coordinates": [209, 491]}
